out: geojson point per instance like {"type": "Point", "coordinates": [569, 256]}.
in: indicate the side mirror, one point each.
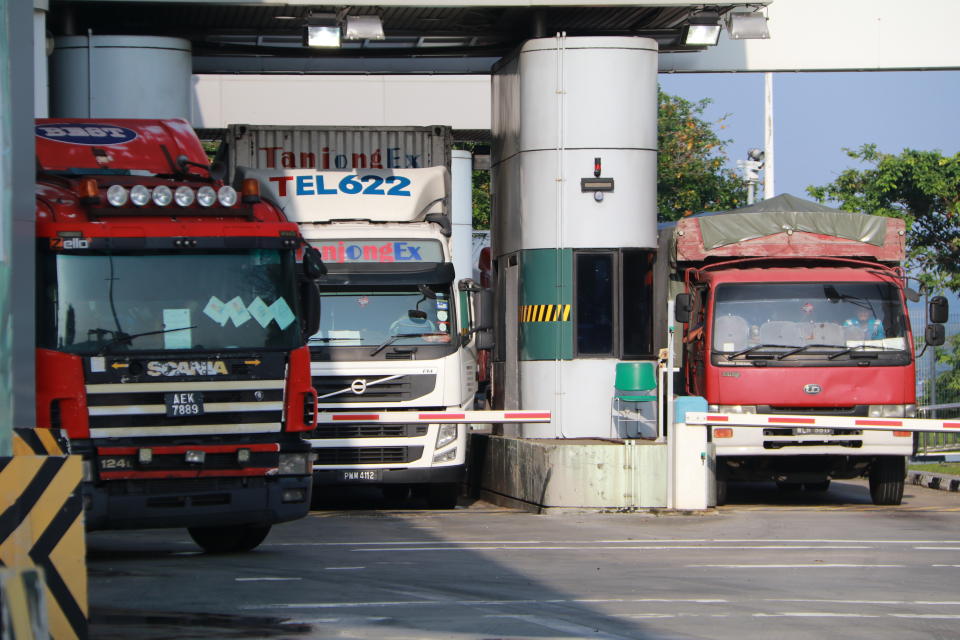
{"type": "Point", "coordinates": [935, 335]}
{"type": "Point", "coordinates": [484, 340]}
{"type": "Point", "coordinates": [483, 307]}
{"type": "Point", "coordinates": [310, 297]}
{"type": "Point", "coordinates": [683, 307]}
{"type": "Point", "coordinates": [938, 309]}
{"type": "Point", "coordinates": [313, 266]}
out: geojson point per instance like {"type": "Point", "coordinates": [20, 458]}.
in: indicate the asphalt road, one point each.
{"type": "Point", "coordinates": [767, 565]}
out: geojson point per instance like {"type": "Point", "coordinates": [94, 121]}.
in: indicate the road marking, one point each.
{"type": "Point", "coordinates": [342, 568]}
{"type": "Point", "coordinates": [937, 548]}
{"type": "Point", "coordinates": [485, 603]}
{"type": "Point", "coordinates": [814, 614]}
{"type": "Point", "coordinates": [820, 565]}
{"type": "Point", "coordinates": [584, 547]}
{"type": "Point", "coordinates": [266, 579]}
{"type": "Point", "coordinates": [566, 627]}
{"type": "Point", "coordinates": [655, 541]}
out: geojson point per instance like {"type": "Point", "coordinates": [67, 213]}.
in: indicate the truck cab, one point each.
{"type": "Point", "coordinates": [397, 328]}
{"type": "Point", "coordinates": [172, 321]}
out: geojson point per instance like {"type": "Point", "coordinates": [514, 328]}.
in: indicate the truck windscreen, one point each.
{"type": "Point", "coordinates": [403, 314]}
{"type": "Point", "coordinates": [97, 302]}
{"type": "Point", "coordinates": [808, 318]}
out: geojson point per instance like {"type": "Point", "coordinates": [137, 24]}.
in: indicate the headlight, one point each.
{"type": "Point", "coordinates": [184, 196]}
{"type": "Point", "coordinates": [446, 456]}
{"type": "Point", "coordinates": [294, 464]}
{"type": "Point", "coordinates": [447, 434]}
{"type": "Point", "coordinates": [732, 408]}
{"type": "Point", "coordinates": [890, 410]}
{"type": "Point", "coordinates": [139, 195]}
{"type": "Point", "coordinates": [206, 196]}
{"type": "Point", "coordinates": [227, 196]}
{"type": "Point", "coordinates": [117, 195]}
{"type": "Point", "coordinates": [162, 195]}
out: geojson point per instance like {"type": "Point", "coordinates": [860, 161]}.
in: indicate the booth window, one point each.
{"type": "Point", "coordinates": [613, 302]}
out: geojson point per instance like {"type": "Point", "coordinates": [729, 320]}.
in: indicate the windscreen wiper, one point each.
{"type": "Point", "coordinates": [125, 338]}
{"type": "Point", "coordinates": [750, 350]}
{"type": "Point", "coordinates": [393, 339]}
{"type": "Point", "coordinates": [854, 348]}
{"type": "Point", "coordinates": [781, 356]}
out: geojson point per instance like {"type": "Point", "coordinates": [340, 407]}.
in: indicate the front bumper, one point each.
{"type": "Point", "coordinates": [427, 475]}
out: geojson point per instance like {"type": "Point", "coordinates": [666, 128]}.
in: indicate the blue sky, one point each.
{"type": "Point", "coordinates": [816, 115]}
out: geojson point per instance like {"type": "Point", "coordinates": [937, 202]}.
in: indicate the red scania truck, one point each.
{"type": "Point", "coordinates": [793, 308]}
{"type": "Point", "coordinates": [172, 323]}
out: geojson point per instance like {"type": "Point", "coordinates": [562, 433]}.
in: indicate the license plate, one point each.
{"type": "Point", "coordinates": [184, 403]}
{"type": "Point", "coordinates": [362, 475]}
{"type": "Point", "coordinates": [812, 431]}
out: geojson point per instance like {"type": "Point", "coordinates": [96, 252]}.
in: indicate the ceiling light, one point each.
{"type": "Point", "coordinates": [747, 25]}
{"type": "Point", "coordinates": [322, 30]}
{"type": "Point", "coordinates": [701, 30]}
{"type": "Point", "coordinates": [364, 28]}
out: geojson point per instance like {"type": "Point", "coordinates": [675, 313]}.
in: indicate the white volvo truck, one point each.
{"type": "Point", "coordinates": [395, 362]}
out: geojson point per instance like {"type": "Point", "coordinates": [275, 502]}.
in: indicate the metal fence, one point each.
{"type": "Point", "coordinates": [938, 394]}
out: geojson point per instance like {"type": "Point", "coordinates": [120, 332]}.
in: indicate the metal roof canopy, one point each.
{"type": "Point", "coordinates": [439, 36]}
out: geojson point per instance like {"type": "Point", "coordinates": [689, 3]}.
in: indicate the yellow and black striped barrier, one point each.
{"type": "Point", "coordinates": [545, 313]}
{"type": "Point", "coordinates": [41, 527]}
{"type": "Point", "coordinates": [39, 442]}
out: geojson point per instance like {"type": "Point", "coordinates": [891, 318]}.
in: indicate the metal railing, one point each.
{"type": "Point", "coordinates": [938, 395]}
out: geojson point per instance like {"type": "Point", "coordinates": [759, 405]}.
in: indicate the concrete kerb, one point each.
{"type": "Point", "coordinates": [934, 479]}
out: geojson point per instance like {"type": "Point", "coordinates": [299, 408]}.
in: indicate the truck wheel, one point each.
{"type": "Point", "coordinates": [235, 539]}
{"type": "Point", "coordinates": [443, 496]}
{"type": "Point", "coordinates": [817, 487]}
{"type": "Point", "coordinates": [721, 487]}
{"type": "Point", "coordinates": [886, 479]}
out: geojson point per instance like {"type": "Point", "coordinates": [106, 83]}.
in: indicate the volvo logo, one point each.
{"type": "Point", "coordinates": [812, 389]}
{"type": "Point", "coordinates": [358, 386]}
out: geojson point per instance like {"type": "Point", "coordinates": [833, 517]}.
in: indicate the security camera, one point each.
{"type": "Point", "coordinates": [755, 154]}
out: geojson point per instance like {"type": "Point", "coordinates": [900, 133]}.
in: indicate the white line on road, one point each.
{"type": "Point", "coordinates": [485, 603]}
{"type": "Point", "coordinates": [818, 541]}
{"type": "Point", "coordinates": [265, 579]}
{"type": "Point", "coordinates": [585, 547]}
{"type": "Point", "coordinates": [818, 565]}
{"type": "Point", "coordinates": [814, 614]}
{"type": "Point", "coordinates": [342, 568]}
{"type": "Point", "coordinates": [937, 548]}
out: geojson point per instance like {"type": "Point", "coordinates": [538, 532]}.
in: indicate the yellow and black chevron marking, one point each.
{"type": "Point", "coordinates": [38, 442]}
{"type": "Point", "coordinates": [545, 313]}
{"type": "Point", "coordinates": [22, 611]}
{"type": "Point", "coordinates": [41, 525]}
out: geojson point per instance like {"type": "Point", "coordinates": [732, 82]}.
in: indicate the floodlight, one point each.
{"type": "Point", "coordinates": [747, 25]}
{"type": "Point", "coordinates": [322, 30]}
{"type": "Point", "coordinates": [701, 30]}
{"type": "Point", "coordinates": [364, 28]}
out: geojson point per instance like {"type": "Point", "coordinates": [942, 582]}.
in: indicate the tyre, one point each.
{"type": "Point", "coordinates": [443, 496]}
{"type": "Point", "coordinates": [817, 487]}
{"type": "Point", "coordinates": [235, 539]}
{"type": "Point", "coordinates": [721, 487]}
{"type": "Point", "coordinates": [886, 479]}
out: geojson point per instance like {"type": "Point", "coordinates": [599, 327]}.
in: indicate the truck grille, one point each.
{"type": "Point", "coordinates": [333, 390]}
{"type": "Point", "coordinates": [335, 456]}
{"type": "Point", "coordinates": [138, 409]}
{"type": "Point", "coordinates": [371, 430]}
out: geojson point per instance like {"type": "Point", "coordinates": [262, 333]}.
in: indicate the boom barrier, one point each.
{"type": "Point", "coordinates": [822, 422]}
{"type": "Point", "coordinates": [432, 417]}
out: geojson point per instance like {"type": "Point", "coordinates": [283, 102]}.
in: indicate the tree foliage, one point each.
{"type": "Point", "coordinates": [691, 173]}
{"type": "Point", "coordinates": [922, 188]}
